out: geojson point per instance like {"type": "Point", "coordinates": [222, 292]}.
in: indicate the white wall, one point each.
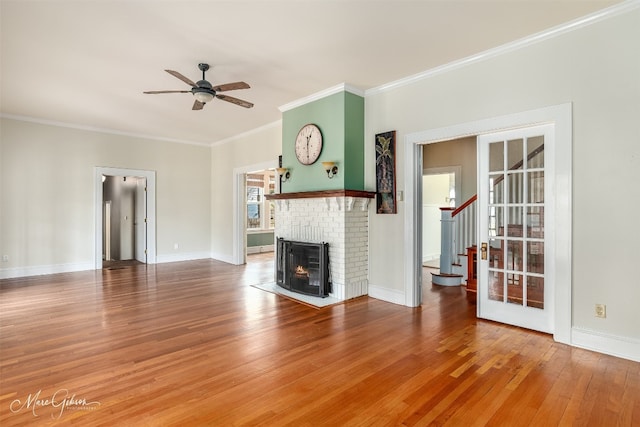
{"type": "Point", "coordinates": [435, 190]}
{"type": "Point", "coordinates": [47, 195]}
{"type": "Point", "coordinates": [596, 68]}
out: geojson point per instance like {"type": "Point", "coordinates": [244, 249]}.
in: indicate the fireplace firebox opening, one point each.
{"type": "Point", "coordinates": [303, 267]}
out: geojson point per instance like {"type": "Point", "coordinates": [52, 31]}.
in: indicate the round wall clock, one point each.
{"type": "Point", "coordinates": [308, 144]}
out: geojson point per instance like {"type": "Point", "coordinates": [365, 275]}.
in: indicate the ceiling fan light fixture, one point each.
{"type": "Point", "coordinates": [203, 97]}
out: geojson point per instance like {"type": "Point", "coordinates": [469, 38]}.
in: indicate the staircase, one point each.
{"type": "Point", "coordinates": [458, 233]}
{"type": "Point", "coordinates": [458, 246]}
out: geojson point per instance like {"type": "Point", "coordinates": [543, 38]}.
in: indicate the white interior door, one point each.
{"type": "Point", "coordinates": [106, 233]}
{"type": "Point", "coordinates": [141, 220]}
{"type": "Point", "coordinates": [514, 287]}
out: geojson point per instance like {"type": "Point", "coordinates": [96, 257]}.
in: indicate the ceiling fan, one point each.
{"type": "Point", "coordinates": [204, 92]}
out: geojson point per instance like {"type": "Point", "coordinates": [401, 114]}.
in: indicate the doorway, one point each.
{"type": "Point", "coordinates": [557, 166]}
{"type": "Point", "coordinates": [124, 228]}
{"type": "Point", "coordinates": [440, 187]}
{"type": "Point", "coordinates": [260, 218]}
{"type": "Point", "coordinates": [138, 241]}
{"type": "Point", "coordinates": [240, 208]}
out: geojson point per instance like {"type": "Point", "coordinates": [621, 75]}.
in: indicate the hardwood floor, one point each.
{"type": "Point", "coordinates": [192, 343]}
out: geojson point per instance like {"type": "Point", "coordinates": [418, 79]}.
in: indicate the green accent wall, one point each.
{"type": "Point", "coordinates": [354, 142]}
{"type": "Point", "coordinates": [260, 239]}
{"type": "Point", "coordinates": [340, 118]}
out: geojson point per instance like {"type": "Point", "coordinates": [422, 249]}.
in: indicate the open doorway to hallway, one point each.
{"type": "Point", "coordinates": [124, 228]}
{"type": "Point", "coordinates": [448, 180]}
{"type": "Point", "coordinates": [438, 191]}
{"type": "Point", "coordinates": [125, 216]}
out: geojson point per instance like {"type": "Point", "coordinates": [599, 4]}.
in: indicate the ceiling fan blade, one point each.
{"type": "Point", "coordinates": [181, 77]}
{"type": "Point", "coordinates": [231, 86]}
{"type": "Point", "coordinates": [197, 105]}
{"type": "Point", "coordinates": [236, 101]}
{"type": "Point", "coordinates": [166, 91]}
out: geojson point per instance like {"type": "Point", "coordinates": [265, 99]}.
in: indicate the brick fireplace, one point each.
{"type": "Point", "coordinates": [339, 218]}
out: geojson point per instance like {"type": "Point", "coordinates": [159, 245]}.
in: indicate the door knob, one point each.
{"type": "Point", "coordinates": [483, 250]}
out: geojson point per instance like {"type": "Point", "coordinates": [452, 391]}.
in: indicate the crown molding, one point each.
{"type": "Point", "coordinates": [343, 87]}
{"type": "Point", "coordinates": [99, 130]}
{"type": "Point", "coordinates": [619, 9]}
{"type": "Point", "coordinates": [247, 133]}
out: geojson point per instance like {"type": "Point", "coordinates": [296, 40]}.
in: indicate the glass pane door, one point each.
{"type": "Point", "coordinates": [511, 203]}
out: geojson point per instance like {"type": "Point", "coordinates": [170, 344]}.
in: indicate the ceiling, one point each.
{"type": "Point", "coordinates": [86, 64]}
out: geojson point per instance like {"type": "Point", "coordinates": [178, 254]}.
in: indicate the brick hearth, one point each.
{"type": "Point", "coordinates": [340, 218]}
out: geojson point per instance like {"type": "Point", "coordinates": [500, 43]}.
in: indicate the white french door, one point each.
{"type": "Point", "coordinates": [515, 283]}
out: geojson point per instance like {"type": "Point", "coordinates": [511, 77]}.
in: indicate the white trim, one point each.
{"type": "Point", "coordinates": [222, 257]}
{"type": "Point", "coordinates": [625, 347]}
{"type": "Point", "coordinates": [99, 130]}
{"type": "Point", "coordinates": [625, 6]}
{"type": "Point", "coordinates": [151, 209]}
{"type": "Point", "coordinates": [254, 131]}
{"type": "Point", "coordinates": [343, 87]}
{"type": "Point", "coordinates": [386, 294]}
{"type": "Point", "coordinates": [187, 256]}
{"type": "Point", "coordinates": [260, 230]}
{"type": "Point", "coordinates": [239, 243]}
{"type": "Point", "coordinates": [561, 116]}
{"type": "Point", "coordinates": [413, 222]}
{"type": "Point", "coordinates": [39, 270]}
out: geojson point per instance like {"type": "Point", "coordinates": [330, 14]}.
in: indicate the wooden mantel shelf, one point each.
{"type": "Point", "coordinates": [323, 193]}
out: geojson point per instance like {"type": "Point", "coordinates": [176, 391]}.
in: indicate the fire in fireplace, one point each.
{"type": "Point", "coordinates": [303, 267]}
{"type": "Point", "coordinates": [301, 271]}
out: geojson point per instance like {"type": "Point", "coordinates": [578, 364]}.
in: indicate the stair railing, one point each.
{"type": "Point", "coordinates": [458, 226]}
{"type": "Point", "coordinates": [464, 219]}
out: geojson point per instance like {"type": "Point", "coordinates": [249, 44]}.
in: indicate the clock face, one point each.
{"type": "Point", "coordinates": [308, 144]}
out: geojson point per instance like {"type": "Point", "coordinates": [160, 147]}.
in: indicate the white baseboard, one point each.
{"type": "Point", "coordinates": [430, 257]}
{"type": "Point", "coordinates": [39, 270]}
{"type": "Point", "coordinates": [623, 347]}
{"type": "Point", "coordinates": [186, 256]}
{"type": "Point", "coordinates": [222, 257]}
{"type": "Point", "coordinates": [386, 294]}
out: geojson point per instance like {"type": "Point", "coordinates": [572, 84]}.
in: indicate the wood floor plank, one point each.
{"type": "Point", "coordinates": [193, 343]}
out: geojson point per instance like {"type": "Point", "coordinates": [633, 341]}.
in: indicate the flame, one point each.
{"type": "Point", "coordinates": [301, 271]}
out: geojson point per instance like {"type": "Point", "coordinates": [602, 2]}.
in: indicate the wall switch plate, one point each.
{"type": "Point", "coordinates": [601, 311]}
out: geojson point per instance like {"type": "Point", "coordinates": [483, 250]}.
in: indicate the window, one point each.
{"type": "Point", "coordinates": [260, 211]}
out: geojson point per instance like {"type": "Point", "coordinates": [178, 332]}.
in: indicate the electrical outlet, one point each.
{"type": "Point", "coordinates": [601, 311]}
{"type": "Point", "coordinates": [5, 258]}
{"type": "Point", "coordinates": [175, 246]}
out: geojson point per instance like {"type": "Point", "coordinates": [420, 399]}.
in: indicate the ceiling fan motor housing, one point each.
{"type": "Point", "coordinates": [203, 84]}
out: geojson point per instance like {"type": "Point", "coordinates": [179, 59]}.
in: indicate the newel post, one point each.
{"type": "Point", "coordinates": [446, 240]}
